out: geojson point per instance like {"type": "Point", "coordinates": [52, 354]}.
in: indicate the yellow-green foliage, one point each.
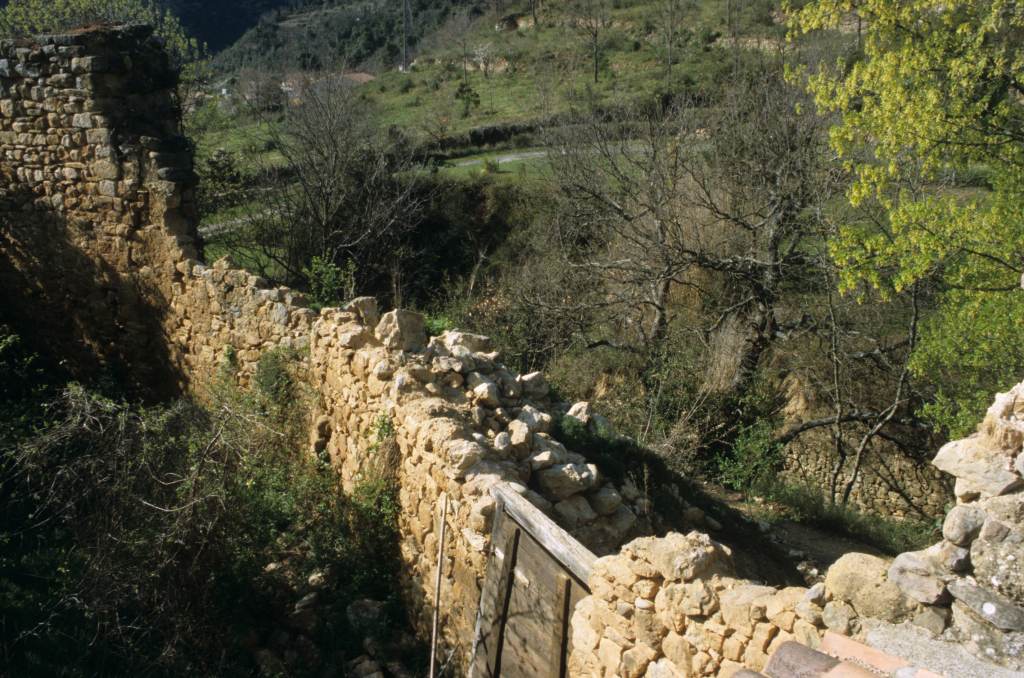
{"type": "Point", "coordinates": [935, 91]}
{"type": "Point", "coordinates": [32, 17]}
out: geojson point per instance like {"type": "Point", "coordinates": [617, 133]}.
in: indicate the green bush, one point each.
{"type": "Point", "coordinates": [134, 540]}
{"type": "Point", "coordinates": [274, 378]}
{"type": "Point", "coordinates": [329, 283]}
{"type": "Point", "coordinates": [754, 460]}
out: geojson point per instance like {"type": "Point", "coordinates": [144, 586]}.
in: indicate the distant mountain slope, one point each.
{"type": "Point", "coordinates": [219, 23]}
{"type": "Point", "coordinates": [328, 34]}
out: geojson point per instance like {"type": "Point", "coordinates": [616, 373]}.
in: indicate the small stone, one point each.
{"type": "Point", "coordinates": [574, 511]}
{"type": "Point", "coordinates": [962, 524]}
{"type": "Point", "coordinates": [839, 617]}
{"type": "Point", "coordinates": [605, 501]}
{"type": "Point", "coordinates": [561, 481]}
{"type": "Point", "coordinates": [932, 619]}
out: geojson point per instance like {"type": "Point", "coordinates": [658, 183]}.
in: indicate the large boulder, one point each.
{"type": "Point", "coordinates": [861, 580]}
{"type": "Point", "coordinates": [981, 468]}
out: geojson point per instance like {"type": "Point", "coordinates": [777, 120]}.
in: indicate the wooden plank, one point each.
{"type": "Point", "coordinates": [572, 555]}
{"type": "Point", "coordinates": [506, 583]}
{"type": "Point", "coordinates": [488, 593]}
{"type": "Point", "coordinates": [526, 649]}
{"type": "Point", "coordinates": [563, 612]}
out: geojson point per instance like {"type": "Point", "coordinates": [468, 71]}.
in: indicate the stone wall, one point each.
{"type": "Point", "coordinates": [888, 482]}
{"type": "Point", "coordinates": [95, 197]}
{"type": "Point", "coordinates": [671, 607]}
{"type": "Point", "coordinates": [98, 232]}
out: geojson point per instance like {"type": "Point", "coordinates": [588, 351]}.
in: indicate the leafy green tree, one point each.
{"type": "Point", "coordinates": [28, 17]}
{"type": "Point", "coordinates": [932, 96]}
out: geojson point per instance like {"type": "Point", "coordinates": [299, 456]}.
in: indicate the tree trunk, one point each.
{"type": "Point", "coordinates": [739, 343]}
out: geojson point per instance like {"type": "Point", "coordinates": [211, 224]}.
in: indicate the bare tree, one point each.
{"type": "Point", "coordinates": [342, 190]}
{"type": "Point", "coordinates": [716, 202]}
{"type": "Point", "coordinates": [485, 57]}
{"type": "Point", "coordinates": [671, 15]}
{"type": "Point", "coordinates": [592, 18]}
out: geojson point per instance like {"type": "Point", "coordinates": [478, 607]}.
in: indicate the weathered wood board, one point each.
{"type": "Point", "coordinates": [536, 575]}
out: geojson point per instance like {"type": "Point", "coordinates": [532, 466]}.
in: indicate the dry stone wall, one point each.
{"type": "Point", "coordinates": [95, 193]}
{"type": "Point", "coordinates": [670, 607]}
{"type": "Point", "coordinates": [98, 229]}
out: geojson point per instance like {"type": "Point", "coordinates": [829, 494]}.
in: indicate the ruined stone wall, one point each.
{"type": "Point", "coordinates": [888, 482]}
{"type": "Point", "coordinates": [95, 197]}
{"type": "Point", "coordinates": [670, 607]}
{"type": "Point", "coordinates": [98, 236]}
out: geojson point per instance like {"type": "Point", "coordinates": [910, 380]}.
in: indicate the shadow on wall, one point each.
{"type": "Point", "coordinates": [77, 309]}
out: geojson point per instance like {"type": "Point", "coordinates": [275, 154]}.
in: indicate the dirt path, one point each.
{"type": "Point", "coordinates": [502, 159]}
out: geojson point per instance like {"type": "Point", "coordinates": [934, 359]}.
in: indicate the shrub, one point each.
{"type": "Point", "coordinates": [330, 283]}
{"type": "Point", "coordinates": [491, 166]}
{"type": "Point", "coordinates": [134, 539]}
{"type": "Point", "coordinates": [755, 458]}
{"type": "Point", "coordinates": [274, 378]}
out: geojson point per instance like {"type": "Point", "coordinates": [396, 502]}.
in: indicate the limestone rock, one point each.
{"type": "Point", "coordinates": [986, 640]}
{"type": "Point", "coordinates": [605, 501]}
{"type": "Point", "coordinates": [839, 617]}
{"type": "Point", "coordinates": [663, 668]}
{"type": "Point", "coordinates": [736, 604]}
{"type": "Point", "coordinates": [980, 469]}
{"type": "Point", "coordinates": [861, 580]}
{"type": "Point", "coordinates": [635, 661]}
{"type": "Point", "coordinates": [996, 609]}
{"type": "Point", "coordinates": [561, 481]}
{"type": "Point", "coordinates": [463, 455]}
{"type": "Point", "coordinates": [998, 559]}
{"type": "Point", "coordinates": [574, 511]}
{"type": "Point", "coordinates": [534, 385]}
{"type": "Point", "coordinates": [486, 393]}
{"type": "Point", "coordinates": [535, 420]}
{"type": "Point", "coordinates": [917, 575]}
{"type": "Point", "coordinates": [580, 412]}
{"type": "Point", "coordinates": [474, 343]}
{"type": "Point", "coordinates": [685, 557]}
{"type": "Point", "coordinates": [932, 619]}
{"type": "Point", "coordinates": [402, 330]}
{"type": "Point", "coordinates": [963, 523]}
{"type": "Point", "coordinates": [365, 309]}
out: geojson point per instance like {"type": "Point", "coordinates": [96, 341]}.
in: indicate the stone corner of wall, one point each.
{"type": "Point", "coordinates": [669, 606]}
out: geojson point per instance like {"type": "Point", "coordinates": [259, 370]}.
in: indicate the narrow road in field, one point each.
{"type": "Point", "coordinates": [502, 159]}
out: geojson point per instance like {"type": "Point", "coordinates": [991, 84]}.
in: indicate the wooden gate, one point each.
{"type": "Point", "coordinates": [536, 574]}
